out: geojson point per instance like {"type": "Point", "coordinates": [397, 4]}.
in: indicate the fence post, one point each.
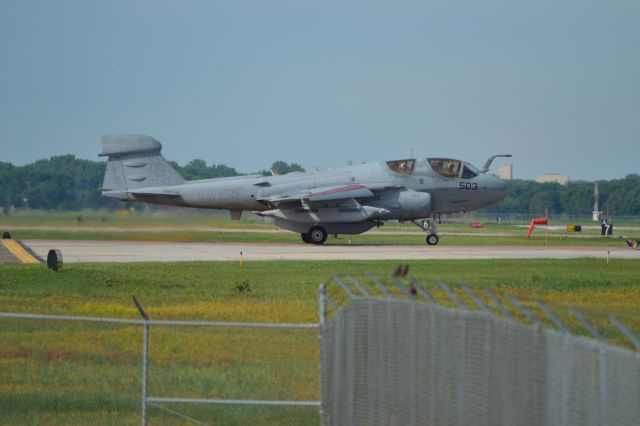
{"type": "Point", "coordinates": [359, 286]}
{"type": "Point", "coordinates": [553, 317]}
{"type": "Point", "coordinates": [145, 374]}
{"type": "Point", "coordinates": [452, 295]}
{"type": "Point", "coordinates": [587, 324]}
{"type": "Point", "coordinates": [381, 286]}
{"type": "Point", "coordinates": [344, 287]}
{"type": "Point", "coordinates": [145, 359]}
{"type": "Point", "coordinates": [523, 309]}
{"type": "Point", "coordinates": [321, 300]}
{"type": "Point", "coordinates": [627, 333]}
{"type": "Point", "coordinates": [499, 306]}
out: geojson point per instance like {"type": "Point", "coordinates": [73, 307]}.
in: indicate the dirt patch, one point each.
{"type": "Point", "coordinates": [15, 353]}
{"type": "Point", "coordinates": [52, 355]}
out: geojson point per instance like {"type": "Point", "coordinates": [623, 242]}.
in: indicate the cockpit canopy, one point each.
{"type": "Point", "coordinates": [445, 167]}
{"type": "Point", "coordinates": [450, 168]}
{"type": "Point", "coordinates": [403, 167]}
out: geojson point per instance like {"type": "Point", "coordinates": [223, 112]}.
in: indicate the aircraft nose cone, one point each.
{"type": "Point", "coordinates": [501, 189]}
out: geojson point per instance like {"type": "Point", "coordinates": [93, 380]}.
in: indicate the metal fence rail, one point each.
{"type": "Point", "coordinates": [147, 398]}
{"type": "Point", "coordinates": [166, 323]}
{"type": "Point", "coordinates": [402, 362]}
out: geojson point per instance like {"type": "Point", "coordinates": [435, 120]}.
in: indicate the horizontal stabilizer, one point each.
{"type": "Point", "coordinates": [116, 145]}
{"type": "Point", "coordinates": [154, 192]}
{"type": "Point", "coordinates": [146, 193]}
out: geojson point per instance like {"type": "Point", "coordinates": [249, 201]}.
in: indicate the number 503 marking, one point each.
{"type": "Point", "coordinates": [468, 185]}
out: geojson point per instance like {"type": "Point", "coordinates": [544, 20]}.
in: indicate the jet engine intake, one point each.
{"type": "Point", "coordinates": [406, 204]}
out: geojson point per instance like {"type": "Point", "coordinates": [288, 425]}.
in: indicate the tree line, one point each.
{"type": "Point", "coordinates": [69, 183]}
{"type": "Point", "coordinates": [621, 197]}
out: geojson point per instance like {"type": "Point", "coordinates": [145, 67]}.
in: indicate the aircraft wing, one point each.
{"type": "Point", "coordinates": [327, 193]}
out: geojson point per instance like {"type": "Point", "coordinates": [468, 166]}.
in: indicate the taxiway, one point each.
{"type": "Point", "coordinates": [141, 251]}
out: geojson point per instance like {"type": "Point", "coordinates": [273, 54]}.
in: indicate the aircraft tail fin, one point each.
{"type": "Point", "coordinates": [135, 161]}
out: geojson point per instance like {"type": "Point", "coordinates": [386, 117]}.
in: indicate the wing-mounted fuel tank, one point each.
{"type": "Point", "coordinates": [349, 211]}
{"type": "Point", "coordinates": [405, 204]}
{"type": "Point", "coordinates": [331, 228]}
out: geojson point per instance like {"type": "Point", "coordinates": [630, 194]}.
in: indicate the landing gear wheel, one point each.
{"type": "Point", "coordinates": [317, 235]}
{"type": "Point", "coordinates": [305, 238]}
{"type": "Point", "coordinates": [432, 239]}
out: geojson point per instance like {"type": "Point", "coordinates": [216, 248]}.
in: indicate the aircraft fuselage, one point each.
{"type": "Point", "coordinates": [345, 200]}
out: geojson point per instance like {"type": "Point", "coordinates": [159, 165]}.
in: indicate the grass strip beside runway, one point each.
{"type": "Point", "coordinates": [286, 291]}
{"type": "Point", "coordinates": [293, 238]}
{"type": "Point", "coordinates": [71, 373]}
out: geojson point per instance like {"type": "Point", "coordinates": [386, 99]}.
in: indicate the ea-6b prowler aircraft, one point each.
{"type": "Point", "coordinates": [346, 200]}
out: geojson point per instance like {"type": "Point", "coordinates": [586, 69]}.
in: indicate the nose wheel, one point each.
{"type": "Point", "coordinates": [429, 226]}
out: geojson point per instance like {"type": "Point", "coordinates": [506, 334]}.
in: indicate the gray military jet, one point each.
{"type": "Point", "coordinates": [346, 200]}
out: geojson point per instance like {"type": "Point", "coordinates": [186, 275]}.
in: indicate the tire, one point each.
{"type": "Point", "coordinates": [317, 235]}
{"type": "Point", "coordinates": [305, 238]}
{"type": "Point", "coordinates": [432, 239]}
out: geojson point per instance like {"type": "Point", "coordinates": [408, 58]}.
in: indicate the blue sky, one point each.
{"type": "Point", "coordinates": [245, 83]}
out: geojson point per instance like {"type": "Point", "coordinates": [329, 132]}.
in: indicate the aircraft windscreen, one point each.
{"type": "Point", "coordinates": [403, 167]}
{"type": "Point", "coordinates": [445, 167]}
{"type": "Point", "coordinates": [469, 171]}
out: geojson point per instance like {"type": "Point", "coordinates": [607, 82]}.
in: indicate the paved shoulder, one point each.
{"type": "Point", "coordinates": [13, 251]}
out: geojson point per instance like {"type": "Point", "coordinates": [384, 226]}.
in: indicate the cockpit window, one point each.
{"type": "Point", "coordinates": [403, 167]}
{"type": "Point", "coordinates": [469, 172]}
{"type": "Point", "coordinates": [445, 167]}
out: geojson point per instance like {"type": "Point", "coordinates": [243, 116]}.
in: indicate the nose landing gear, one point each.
{"type": "Point", "coordinates": [429, 226]}
{"type": "Point", "coordinates": [432, 239]}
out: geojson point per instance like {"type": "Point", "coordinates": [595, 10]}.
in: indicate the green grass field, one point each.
{"type": "Point", "coordinates": [127, 218]}
{"type": "Point", "coordinates": [80, 373]}
{"type": "Point", "coordinates": [289, 238]}
{"type": "Point", "coordinates": [61, 373]}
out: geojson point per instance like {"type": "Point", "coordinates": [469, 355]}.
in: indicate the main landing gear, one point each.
{"type": "Point", "coordinates": [429, 226]}
{"type": "Point", "coordinates": [316, 235]}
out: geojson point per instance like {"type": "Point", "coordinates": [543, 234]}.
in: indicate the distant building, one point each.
{"type": "Point", "coordinates": [505, 172]}
{"type": "Point", "coordinates": [553, 178]}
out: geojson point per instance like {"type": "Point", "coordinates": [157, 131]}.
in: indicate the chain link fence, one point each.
{"type": "Point", "coordinates": [404, 362]}
{"type": "Point", "coordinates": [389, 355]}
{"type": "Point", "coordinates": [100, 371]}
{"type": "Point", "coordinates": [56, 372]}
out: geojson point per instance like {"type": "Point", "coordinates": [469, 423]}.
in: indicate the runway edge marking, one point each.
{"type": "Point", "coordinates": [20, 252]}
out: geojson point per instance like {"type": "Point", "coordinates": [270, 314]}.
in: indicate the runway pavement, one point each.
{"type": "Point", "coordinates": [509, 230]}
{"type": "Point", "coordinates": [134, 251]}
